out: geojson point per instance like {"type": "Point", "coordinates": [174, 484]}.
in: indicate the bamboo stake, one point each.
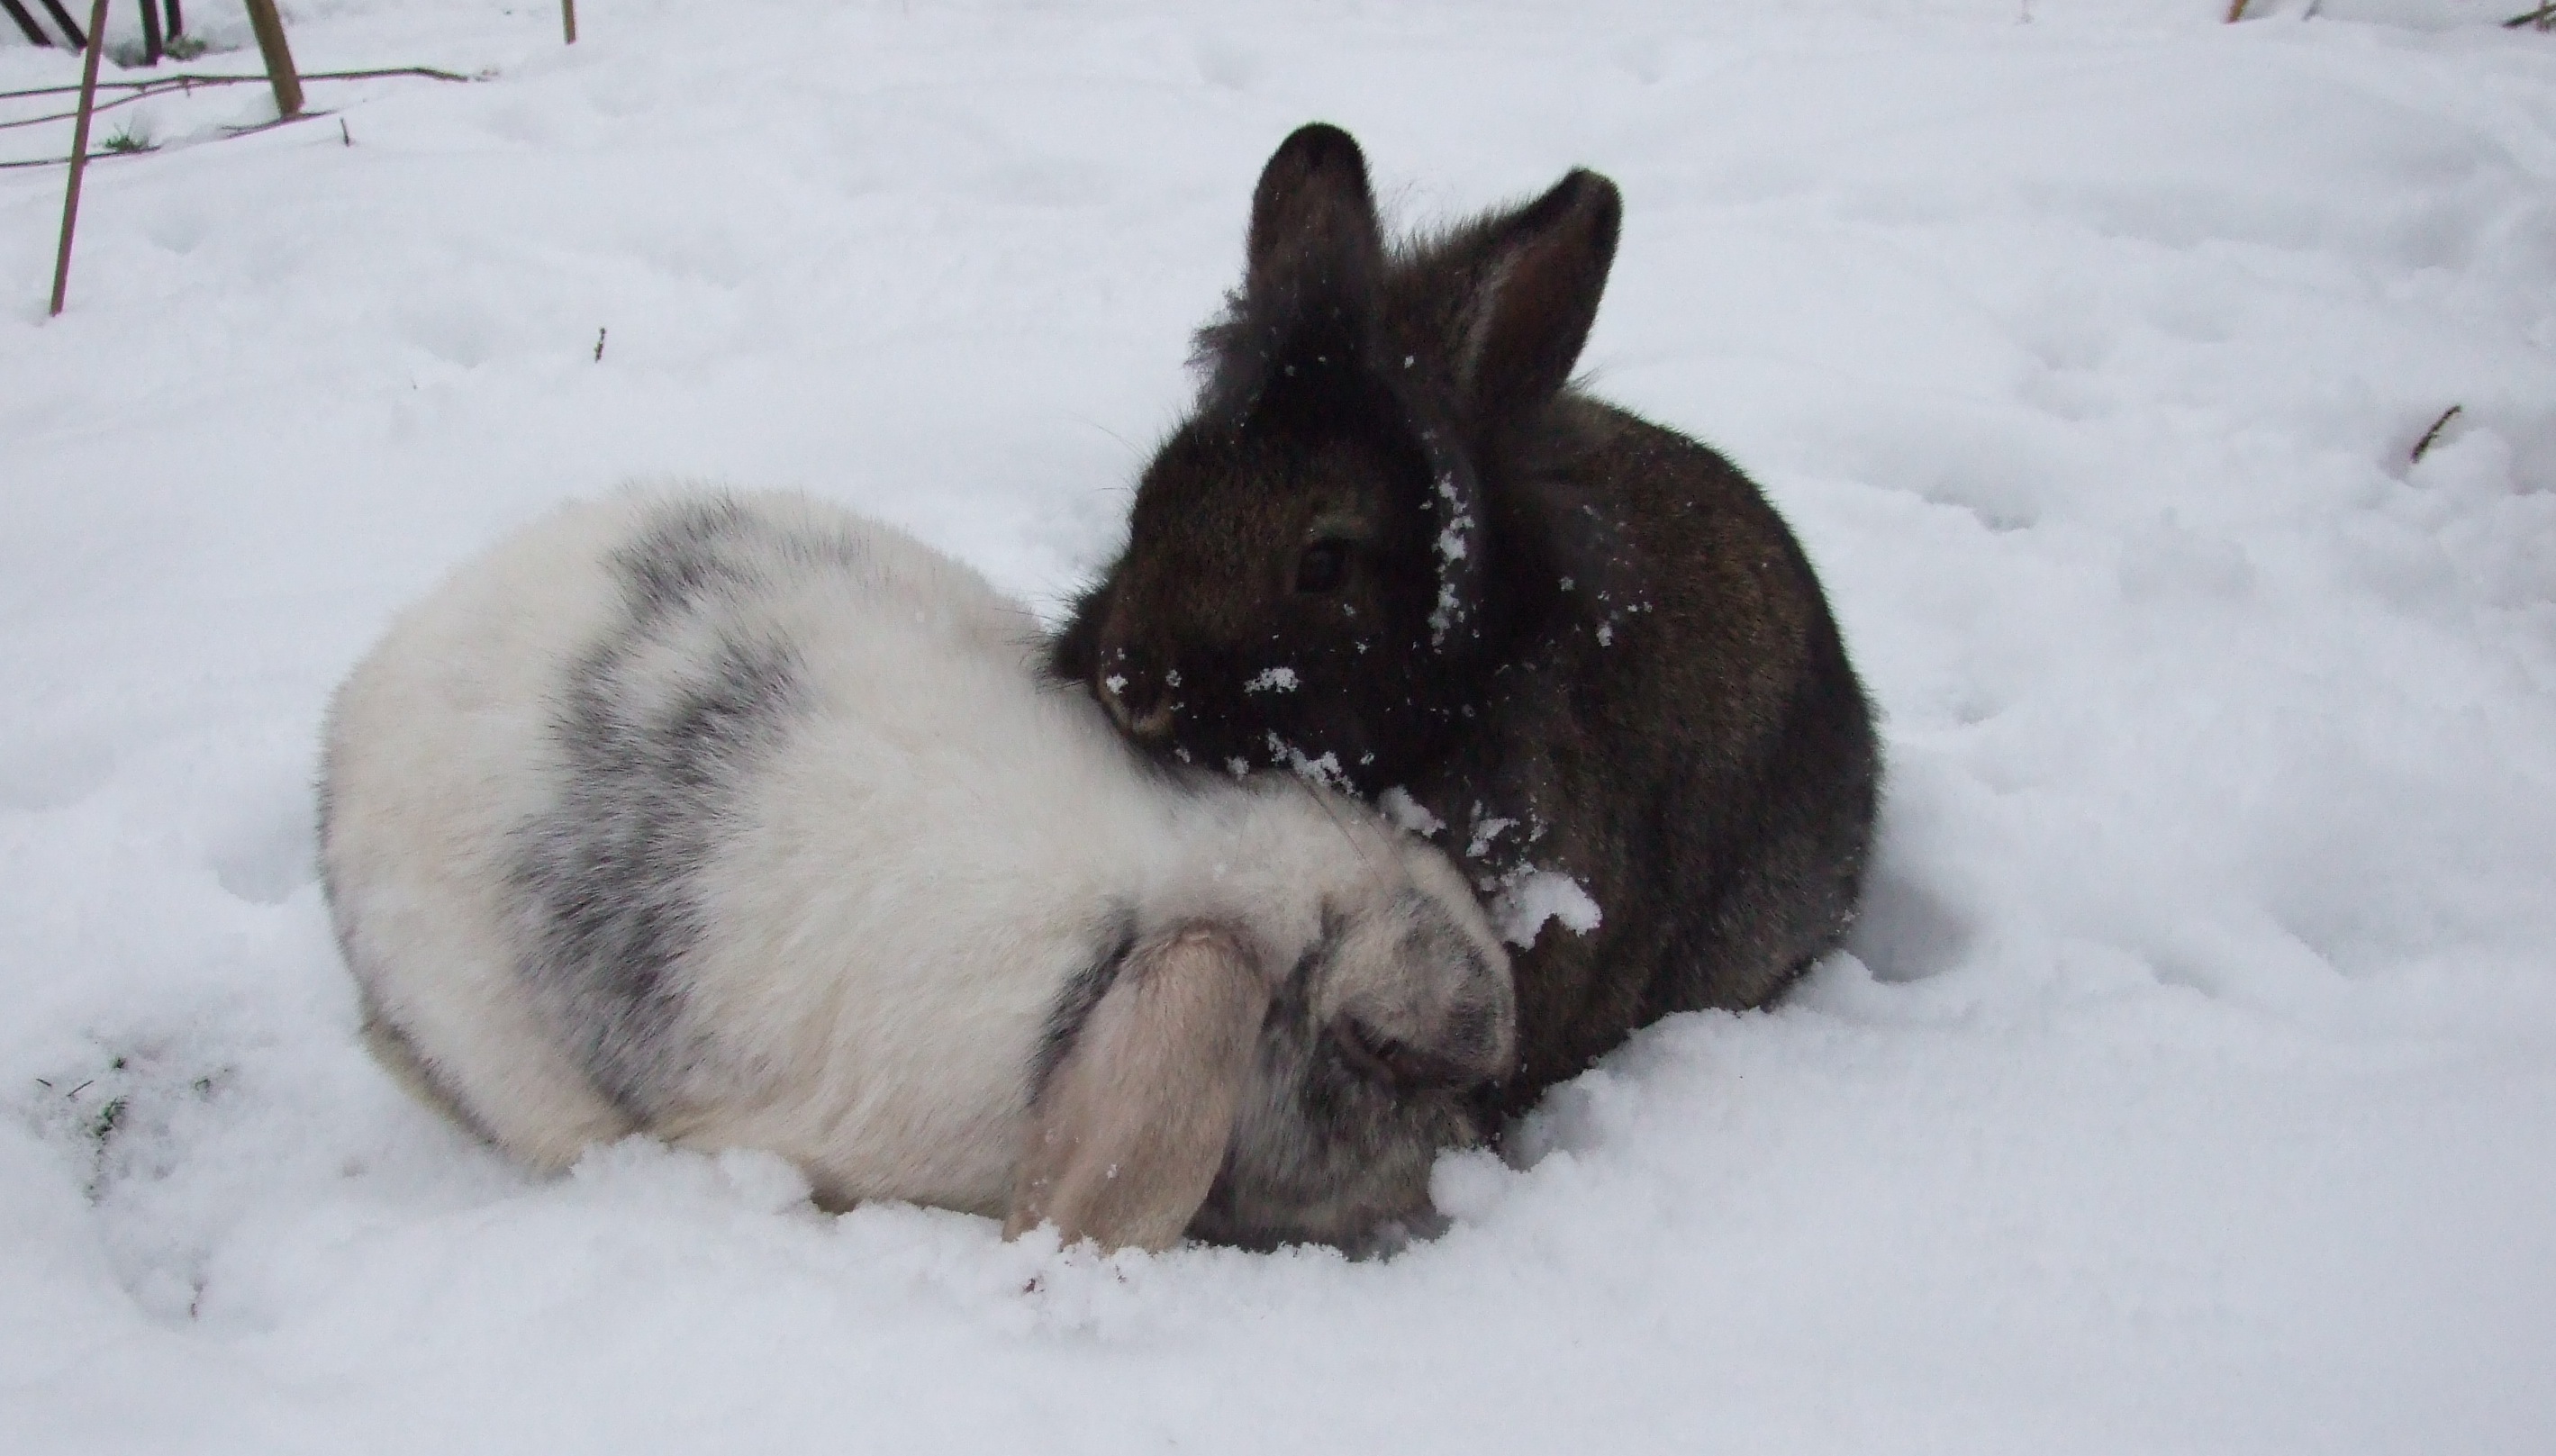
{"type": "Point", "coordinates": [80, 154]}
{"type": "Point", "coordinates": [279, 58]}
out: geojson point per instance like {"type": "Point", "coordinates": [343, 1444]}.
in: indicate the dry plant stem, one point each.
{"type": "Point", "coordinates": [2542, 17]}
{"type": "Point", "coordinates": [2236, 11]}
{"type": "Point", "coordinates": [34, 32]}
{"type": "Point", "coordinates": [279, 56]}
{"type": "Point", "coordinates": [70, 27]}
{"type": "Point", "coordinates": [79, 155]}
{"type": "Point", "coordinates": [567, 19]}
{"type": "Point", "coordinates": [150, 33]}
{"type": "Point", "coordinates": [192, 78]}
{"type": "Point", "coordinates": [2423, 447]}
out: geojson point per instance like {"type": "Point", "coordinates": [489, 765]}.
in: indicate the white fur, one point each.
{"type": "Point", "coordinates": [900, 893]}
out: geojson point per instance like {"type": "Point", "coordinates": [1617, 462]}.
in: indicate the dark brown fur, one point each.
{"type": "Point", "coordinates": [1545, 610]}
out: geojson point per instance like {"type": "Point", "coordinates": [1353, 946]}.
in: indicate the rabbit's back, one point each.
{"type": "Point", "coordinates": [739, 820]}
{"type": "Point", "coordinates": [1684, 730]}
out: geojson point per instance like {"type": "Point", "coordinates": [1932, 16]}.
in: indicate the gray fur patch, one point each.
{"type": "Point", "coordinates": [653, 761]}
{"type": "Point", "coordinates": [1073, 1003]}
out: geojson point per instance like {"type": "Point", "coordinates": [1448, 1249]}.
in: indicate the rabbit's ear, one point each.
{"type": "Point", "coordinates": [1128, 1131]}
{"type": "Point", "coordinates": [1529, 316]}
{"type": "Point", "coordinates": [1315, 248]}
{"type": "Point", "coordinates": [1308, 298]}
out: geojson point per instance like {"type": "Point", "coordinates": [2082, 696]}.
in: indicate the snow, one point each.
{"type": "Point", "coordinates": [1532, 896]}
{"type": "Point", "coordinates": [2187, 1083]}
{"type": "Point", "coordinates": [1408, 814]}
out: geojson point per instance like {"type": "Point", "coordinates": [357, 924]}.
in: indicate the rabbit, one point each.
{"type": "Point", "coordinates": [743, 820]}
{"type": "Point", "coordinates": [1392, 549]}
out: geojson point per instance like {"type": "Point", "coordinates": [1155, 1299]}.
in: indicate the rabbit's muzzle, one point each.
{"type": "Point", "coordinates": [1142, 696]}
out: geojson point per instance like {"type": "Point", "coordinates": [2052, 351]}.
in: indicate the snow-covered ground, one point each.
{"type": "Point", "coordinates": [2192, 1083]}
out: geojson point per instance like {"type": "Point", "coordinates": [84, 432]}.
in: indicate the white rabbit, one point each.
{"type": "Point", "coordinates": [746, 821]}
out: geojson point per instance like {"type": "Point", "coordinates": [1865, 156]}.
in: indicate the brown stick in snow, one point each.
{"type": "Point", "coordinates": [2423, 447]}
{"type": "Point", "coordinates": [79, 155]}
{"type": "Point", "coordinates": [279, 56]}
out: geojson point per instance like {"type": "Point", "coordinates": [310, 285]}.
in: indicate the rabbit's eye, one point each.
{"type": "Point", "coordinates": [1321, 567]}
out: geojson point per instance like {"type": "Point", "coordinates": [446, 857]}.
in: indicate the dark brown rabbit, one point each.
{"type": "Point", "coordinates": [1391, 549]}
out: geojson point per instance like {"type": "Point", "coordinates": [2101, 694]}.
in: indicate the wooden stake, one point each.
{"type": "Point", "coordinates": [70, 27]}
{"type": "Point", "coordinates": [279, 58]}
{"type": "Point", "coordinates": [80, 154]}
{"type": "Point", "coordinates": [567, 19]}
{"type": "Point", "coordinates": [35, 33]}
{"type": "Point", "coordinates": [150, 33]}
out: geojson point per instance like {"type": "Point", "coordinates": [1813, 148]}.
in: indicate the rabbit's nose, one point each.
{"type": "Point", "coordinates": [1139, 701]}
{"type": "Point", "coordinates": [1382, 1057]}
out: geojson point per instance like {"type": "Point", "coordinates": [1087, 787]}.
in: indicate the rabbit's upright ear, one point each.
{"type": "Point", "coordinates": [1530, 316]}
{"type": "Point", "coordinates": [1313, 262]}
{"type": "Point", "coordinates": [1129, 1128]}
{"type": "Point", "coordinates": [1314, 243]}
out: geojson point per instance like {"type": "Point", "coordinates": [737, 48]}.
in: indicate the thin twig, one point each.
{"type": "Point", "coordinates": [59, 160]}
{"type": "Point", "coordinates": [52, 116]}
{"type": "Point", "coordinates": [2423, 447]}
{"type": "Point", "coordinates": [169, 83]}
{"type": "Point", "coordinates": [79, 155]}
{"type": "Point", "coordinates": [2543, 17]}
{"type": "Point", "coordinates": [266, 126]}
{"type": "Point", "coordinates": [227, 133]}
{"type": "Point", "coordinates": [142, 90]}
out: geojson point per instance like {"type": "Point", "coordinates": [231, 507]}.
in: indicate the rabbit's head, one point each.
{"type": "Point", "coordinates": [1316, 563]}
{"type": "Point", "coordinates": [1380, 1049]}
{"type": "Point", "coordinates": [1412, 985]}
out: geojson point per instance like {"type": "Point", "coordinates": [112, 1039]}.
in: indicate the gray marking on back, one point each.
{"type": "Point", "coordinates": [610, 875]}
